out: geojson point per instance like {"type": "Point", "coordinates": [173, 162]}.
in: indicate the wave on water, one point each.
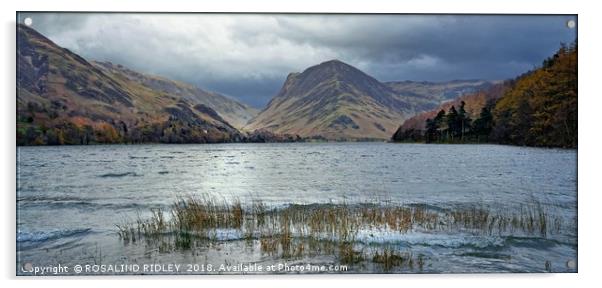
{"type": "Point", "coordinates": [113, 175]}
{"type": "Point", "coordinates": [370, 236]}
{"type": "Point", "coordinates": [535, 242]}
{"type": "Point", "coordinates": [60, 198]}
{"type": "Point", "coordinates": [42, 236]}
{"type": "Point", "coordinates": [83, 204]}
{"type": "Point", "coordinates": [65, 201]}
{"type": "Point", "coordinates": [138, 157]}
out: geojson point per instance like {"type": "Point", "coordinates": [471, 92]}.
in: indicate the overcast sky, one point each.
{"type": "Point", "coordinates": [249, 56]}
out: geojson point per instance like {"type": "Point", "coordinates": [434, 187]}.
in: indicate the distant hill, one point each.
{"type": "Point", "coordinates": [439, 92]}
{"type": "Point", "coordinates": [335, 100]}
{"type": "Point", "coordinates": [64, 99]}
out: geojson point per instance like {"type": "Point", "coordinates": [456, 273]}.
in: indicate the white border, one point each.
{"type": "Point", "coordinates": [589, 131]}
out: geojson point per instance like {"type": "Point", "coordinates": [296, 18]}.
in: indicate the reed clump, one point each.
{"type": "Point", "coordinates": [531, 219]}
{"type": "Point", "coordinates": [296, 231]}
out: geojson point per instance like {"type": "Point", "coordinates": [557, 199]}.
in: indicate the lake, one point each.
{"type": "Point", "coordinates": [69, 198]}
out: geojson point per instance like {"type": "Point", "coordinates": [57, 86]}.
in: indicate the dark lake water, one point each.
{"type": "Point", "coordinates": [70, 198]}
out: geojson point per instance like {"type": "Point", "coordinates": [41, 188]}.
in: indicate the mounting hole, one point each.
{"type": "Point", "coordinates": [571, 264]}
{"type": "Point", "coordinates": [28, 267]}
{"type": "Point", "coordinates": [571, 24]}
{"type": "Point", "coordinates": [28, 21]}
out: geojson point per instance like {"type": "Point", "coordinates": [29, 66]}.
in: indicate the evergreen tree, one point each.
{"type": "Point", "coordinates": [482, 126]}
{"type": "Point", "coordinates": [464, 121]}
{"type": "Point", "coordinates": [433, 127]}
{"type": "Point", "coordinates": [453, 128]}
{"type": "Point", "coordinates": [431, 130]}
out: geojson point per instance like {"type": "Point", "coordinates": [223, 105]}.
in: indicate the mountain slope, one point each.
{"type": "Point", "coordinates": [233, 112]}
{"type": "Point", "coordinates": [538, 108]}
{"type": "Point", "coordinates": [336, 101]}
{"type": "Point", "coordinates": [64, 99]}
{"type": "Point", "coordinates": [541, 107]}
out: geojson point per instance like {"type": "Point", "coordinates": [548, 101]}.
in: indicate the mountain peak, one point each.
{"type": "Point", "coordinates": [333, 69]}
{"type": "Point", "coordinates": [320, 72]}
{"type": "Point", "coordinates": [334, 62]}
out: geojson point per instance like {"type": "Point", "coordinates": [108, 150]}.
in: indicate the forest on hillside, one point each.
{"type": "Point", "coordinates": [538, 108]}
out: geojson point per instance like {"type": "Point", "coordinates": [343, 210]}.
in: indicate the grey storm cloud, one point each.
{"type": "Point", "coordinates": [248, 56]}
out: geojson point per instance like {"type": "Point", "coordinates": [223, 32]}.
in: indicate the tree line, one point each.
{"type": "Point", "coordinates": [69, 131]}
{"type": "Point", "coordinates": [452, 126]}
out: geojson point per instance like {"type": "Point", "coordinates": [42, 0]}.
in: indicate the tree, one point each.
{"type": "Point", "coordinates": [433, 127]}
{"type": "Point", "coordinates": [431, 131]}
{"type": "Point", "coordinates": [464, 121]}
{"type": "Point", "coordinates": [483, 125]}
{"type": "Point", "coordinates": [452, 123]}
{"type": "Point", "coordinates": [439, 122]}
